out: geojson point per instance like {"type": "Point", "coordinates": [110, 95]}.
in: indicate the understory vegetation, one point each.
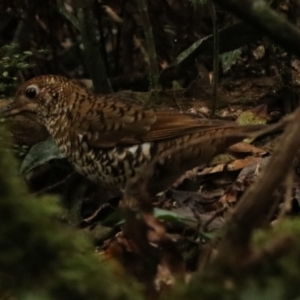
{"type": "Point", "coordinates": [228, 229]}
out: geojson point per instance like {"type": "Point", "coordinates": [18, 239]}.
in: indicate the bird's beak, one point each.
{"type": "Point", "coordinates": [18, 106]}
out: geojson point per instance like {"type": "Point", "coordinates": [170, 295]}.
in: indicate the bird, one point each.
{"type": "Point", "coordinates": [113, 142]}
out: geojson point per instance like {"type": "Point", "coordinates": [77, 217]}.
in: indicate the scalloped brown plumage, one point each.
{"type": "Point", "coordinates": [112, 142]}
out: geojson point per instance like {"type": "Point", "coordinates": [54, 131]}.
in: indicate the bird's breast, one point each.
{"type": "Point", "coordinates": [111, 167]}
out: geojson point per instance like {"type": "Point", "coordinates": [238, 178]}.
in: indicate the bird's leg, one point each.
{"type": "Point", "coordinates": [146, 231]}
{"type": "Point", "coordinates": [137, 195]}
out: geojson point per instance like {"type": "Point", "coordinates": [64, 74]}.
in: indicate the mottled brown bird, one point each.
{"type": "Point", "coordinates": [111, 141]}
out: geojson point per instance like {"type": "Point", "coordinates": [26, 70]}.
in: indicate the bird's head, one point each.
{"type": "Point", "coordinates": [40, 95]}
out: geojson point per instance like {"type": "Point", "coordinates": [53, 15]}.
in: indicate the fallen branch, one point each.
{"type": "Point", "coordinates": [258, 199]}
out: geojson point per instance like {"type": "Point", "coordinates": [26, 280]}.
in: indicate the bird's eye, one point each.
{"type": "Point", "coordinates": [31, 91]}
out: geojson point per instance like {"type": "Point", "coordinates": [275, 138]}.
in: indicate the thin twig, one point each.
{"type": "Point", "coordinates": [216, 214]}
{"type": "Point", "coordinates": [288, 197]}
{"type": "Point", "coordinates": [93, 57]}
{"type": "Point", "coordinates": [69, 17]}
{"type": "Point", "coordinates": [53, 186]}
{"type": "Point", "coordinates": [154, 72]}
{"type": "Point", "coordinates": [216, 58]}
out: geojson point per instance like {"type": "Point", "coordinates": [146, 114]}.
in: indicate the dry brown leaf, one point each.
{"type": "Point", "coordinates": [242, 163]}
{"type": "Point", "coordinates": [244, 147]}
{"type": "Point", "coordinates": [215, 169]}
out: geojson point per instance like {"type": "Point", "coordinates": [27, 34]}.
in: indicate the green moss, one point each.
{"type": "Point", "coordinates": [42, 259]}
{"type": "Point", "coordinates": [274, 276]}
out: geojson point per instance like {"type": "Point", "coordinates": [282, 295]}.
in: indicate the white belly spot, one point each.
{"type": "Point", "coordinates": [133, 149]}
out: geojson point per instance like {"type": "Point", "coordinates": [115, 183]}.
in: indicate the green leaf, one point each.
{"type": "Point", "coordinates": [229, 58]}
{"type": "Point", "coordinates": [117, 218]}
{"type": "Point", "coordinates": [251, 117]}
{"type": "Point", "coordinates": [170, 216]}
{"type": "Point", "coordinates": [40, 154]}
{"type": "Point", "coordinates": [28, 52]}
{"type": "Point", "coordinates": [210, 235]}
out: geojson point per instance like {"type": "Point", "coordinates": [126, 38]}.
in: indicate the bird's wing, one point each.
{"type": "Point", "coordinates": [113, 123]}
